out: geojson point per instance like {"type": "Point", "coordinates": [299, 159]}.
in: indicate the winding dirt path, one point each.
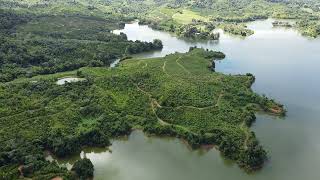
{"type": "Point", "coordinates": [219, 98]}
{"type": "Point", "coordinates": [193, 107]}
{"type": "Point", "coordinates": [154, 105]}
{"type": "Point", "coordinates": [186, 70]}
{"type": "Point", "coordinates": [145, 65]}
{"type": "Point", "coordinates": [243, 127]}
{"type": "Point", "coordinates": [164, 68]}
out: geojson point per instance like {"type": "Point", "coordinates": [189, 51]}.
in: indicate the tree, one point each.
{"type": "Point", "coordinates": [172, 27]}
{"type": "Point", "coordinates": [83, 168]}
{"type": "Point", "coordinates": [213, 66]}
{"type": "Point", "coordinates": [157, 43]}
{"type": "Point", "coordinates": [254, 156]}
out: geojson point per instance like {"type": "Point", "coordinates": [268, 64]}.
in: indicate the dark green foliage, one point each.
{"type": "Point", "coordinates": [253, 156]}
{"type": "Point", "coordinates": [9, 20]}
{"type": "Point", "coordinates": [208, 54]}
{"type": "Point", "coordinates": [144, 46]}
{"type": "Point", "coordinates": [63, 145]}
{"type": "Point", "coordinates": [159, 14]}
{"type": "Point", "coordinates": [83, 169]}
{"type": "Point", "coordinates": [9, 172]}
{"type": "Point", "coordinates": [21, 158]}
{"type": "Point", "coordinates": [115, 125]}
{"type": "Point", "coordinates": [191, 31]}
{"type": "Point", "coordinates": [237, 30]}
{"type": "Point", "coordinates": [95, 138]}
{"type": "Point", "coordinates": [50, 44]}
{"type": "Point", "coordinates": [157, 43]}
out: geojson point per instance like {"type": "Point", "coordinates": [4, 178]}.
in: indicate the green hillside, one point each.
{"type": "Point", "coordinates": [177, 96]}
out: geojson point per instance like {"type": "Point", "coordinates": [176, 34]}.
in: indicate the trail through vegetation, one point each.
{"type": "Point", "coordinates": [201, 107]}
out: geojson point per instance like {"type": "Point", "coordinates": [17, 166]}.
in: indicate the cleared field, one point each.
{"type": "Point", "coordinates": [186, 16]}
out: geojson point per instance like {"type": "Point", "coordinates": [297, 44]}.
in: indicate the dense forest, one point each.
{"type": "Point", "coordinates": [32, 45]}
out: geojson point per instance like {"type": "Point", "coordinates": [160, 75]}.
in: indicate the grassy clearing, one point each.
{"type": "Point", "coordinates": [186, 16]}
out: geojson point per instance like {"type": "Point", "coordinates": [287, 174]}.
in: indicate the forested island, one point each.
{"type": "Point", "coordinates": [179, 95]}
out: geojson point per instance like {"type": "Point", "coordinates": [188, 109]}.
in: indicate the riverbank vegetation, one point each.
{"type": "Point", "coordinates": [83, 168]}
{"type": "Point", "coordinates": [177, 96]}
{"type": "Point", "coordinates": [240, 30]}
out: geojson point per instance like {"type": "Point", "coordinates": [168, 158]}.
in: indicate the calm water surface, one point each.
{"type": "Point", "coordinates": [62, 81]}
{"type": "Point", "coordinates": [287, 68]}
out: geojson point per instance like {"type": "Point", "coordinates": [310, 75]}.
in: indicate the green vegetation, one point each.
{"type": "Point", "coordinates": [83, 168]}
{"type": "Point", "coordinates": [32, 45]}
{"type": "Point", "coordinates": [172, 15]}
{"type": "Point", "coordinates": [177, 95]}
{"type": "Point", "coordinates": [21, 158]}
{"type": "Point", "coordinates": [237, 29]}
{"type": "Point", "coordinates": [309, 28]}
{"type": "Point", "coordinates": [187, 17]}
{"type": "Point", "coordinates": [192, 31]}
{"type": "Point", "coordinates": [281, 24]}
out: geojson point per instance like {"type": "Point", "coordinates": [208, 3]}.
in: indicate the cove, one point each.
{"type": "Point", "coordinates": [286, 67]}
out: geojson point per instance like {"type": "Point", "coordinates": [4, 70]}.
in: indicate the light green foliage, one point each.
{"type": "Point", "coordinates": [177, 95]}
{"type": "Point", "coordinates": [186, 17]}
{"type": "Point", "coordinates": [237, 29]}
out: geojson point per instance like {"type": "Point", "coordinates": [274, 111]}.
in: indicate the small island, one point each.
{"type": "Point", "coordinates": [237, 29]}
{"type": "Point", "coordinates": [196, 29]}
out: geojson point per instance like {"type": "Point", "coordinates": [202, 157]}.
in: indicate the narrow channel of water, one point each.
{"type": "Point", "coordinates": [114, 63]}
{"type": "Point", "coordinates": [286, 66]}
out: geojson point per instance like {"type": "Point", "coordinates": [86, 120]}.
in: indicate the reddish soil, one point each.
{"type": "Point", "coordinates": [57, 178]}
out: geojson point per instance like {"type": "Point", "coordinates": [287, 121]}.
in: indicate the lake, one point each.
{"type": "Point", "coordinates": [287, 68]}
